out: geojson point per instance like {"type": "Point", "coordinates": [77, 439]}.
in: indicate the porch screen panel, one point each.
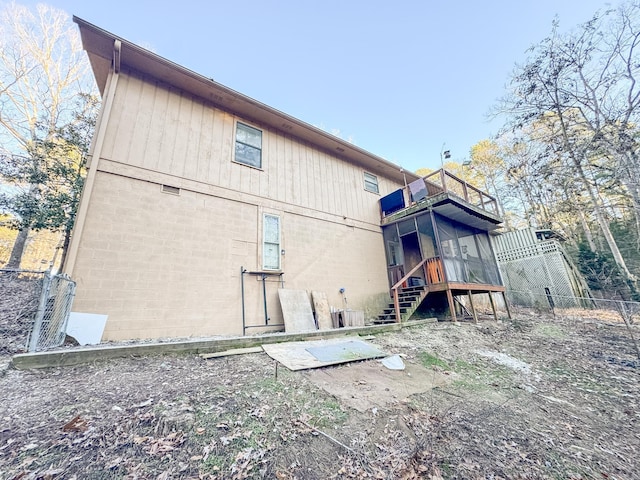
{"type": "Point", "coordinates": [450, 250]}
{"type": "Point", "coordinates": [392, 245]}
{"type": "Point", "coordinates": [472, 262]}
{"type": "Point", "coordinates": [427, 237]}
{"type": "Point", "coordinates": [406, 226]}
{"type": "Point", "coordinates": [488, 259]}
{"type": "Point", "coordinates": [393, 250]}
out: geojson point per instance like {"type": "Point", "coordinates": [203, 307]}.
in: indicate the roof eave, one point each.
{"type": "Point", "coordinates": [99, 45]}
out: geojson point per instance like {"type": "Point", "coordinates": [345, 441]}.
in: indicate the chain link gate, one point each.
{"type": "Point", "coordinates": [34, 310]}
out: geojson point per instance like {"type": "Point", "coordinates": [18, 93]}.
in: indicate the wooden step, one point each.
{"type": "Point", "coordinates": [391, 310]}
{"type": "Point", "coordinates": [409, 300]}
{"type": "Point", "coordinates": [419, 289]}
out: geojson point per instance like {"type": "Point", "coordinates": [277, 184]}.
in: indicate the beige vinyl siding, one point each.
{"type": "Point", "coordinates": [160, 128]}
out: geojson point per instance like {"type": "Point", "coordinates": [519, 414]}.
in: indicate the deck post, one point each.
{"type": "Point", "coordinates": [452, 308]}
{"type": "Point", "coordinates": [493, 306]}
{"type": "Point", "coordinates": [473, 308]}
{"type": "Point", "coordinates": [506, 304]}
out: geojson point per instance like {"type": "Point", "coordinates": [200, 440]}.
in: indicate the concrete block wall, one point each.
{"type": "Point", "coordinates": [162, 265]}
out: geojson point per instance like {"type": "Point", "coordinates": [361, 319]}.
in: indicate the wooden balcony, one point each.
{"type": "Point", "coordinates": [437, 189]}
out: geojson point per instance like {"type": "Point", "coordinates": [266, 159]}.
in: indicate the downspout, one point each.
{"type": "Point", "coordinates": [94, 159]}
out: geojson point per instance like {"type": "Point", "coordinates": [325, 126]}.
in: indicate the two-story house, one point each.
{"type": "Point", "coordinates": [200, 202]}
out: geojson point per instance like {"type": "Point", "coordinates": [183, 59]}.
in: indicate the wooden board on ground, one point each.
{"type": "Point", "coordinates": [321, 353]}
{"type": "Point", "coordinates": [322, 309]}
{"type": "Point", "coordinates": [296, 310]}
{"type": "Point", "coordinates": [233, 351]}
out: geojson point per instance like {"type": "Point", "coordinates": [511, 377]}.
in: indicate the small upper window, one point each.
{"type": "Point", "coordinates": [371, 183]}
{"type": "Point", "coordinates": [248, 145]}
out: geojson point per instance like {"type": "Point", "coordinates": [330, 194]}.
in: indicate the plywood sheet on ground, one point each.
{"type": "Point", "coordinates": [299, 356]}
{"type": "Point", "coordinates": [296, 310]}
{"type": "Point", "coordinates": [345, 352]}
{"type": "Point", "coordinates": [322, 309]}
{"type": "Point", "coordinates": [367, 385]}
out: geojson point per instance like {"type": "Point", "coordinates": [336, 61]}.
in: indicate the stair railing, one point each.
{"type": "Point", "coordinates": [394, 289]}
{"type": "Point", "coordinates": [432, 273]}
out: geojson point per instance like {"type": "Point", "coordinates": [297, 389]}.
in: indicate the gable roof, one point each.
{"type": "Point", "coordinates": [99, 45]}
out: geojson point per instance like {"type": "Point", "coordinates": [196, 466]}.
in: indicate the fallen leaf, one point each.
{"type": "Point", "coordinates": [76, 424]}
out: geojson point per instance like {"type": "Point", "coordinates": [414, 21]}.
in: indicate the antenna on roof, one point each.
{"type": "Point", "coordinates": [444, 155]}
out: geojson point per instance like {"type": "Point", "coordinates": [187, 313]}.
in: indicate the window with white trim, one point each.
{"type": "Point", "coordinates": [248, 145]}
{"type": "Point", "coordinates": [270, 242]}
{"type": "Point", "coordinates": [371, 182]}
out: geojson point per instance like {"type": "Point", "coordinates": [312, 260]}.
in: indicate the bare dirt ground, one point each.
{"type": "Point", "coordinates": [534, 397]}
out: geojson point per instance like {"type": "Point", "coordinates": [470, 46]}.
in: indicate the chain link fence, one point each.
{"type": "Point", "coordinates": [579, 309]}
{"type": "Point", "coordinates": [34, 310]}
{"type": "Point", "coordinates": [587, 308]}
{"type": "Point", "coordinates": [612, 310]}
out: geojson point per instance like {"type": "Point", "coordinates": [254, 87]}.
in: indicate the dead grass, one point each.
{"type": "Point", "coordinates": [573, 414]}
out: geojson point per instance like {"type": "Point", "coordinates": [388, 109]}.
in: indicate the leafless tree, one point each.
{"type": "Point", "coordinates": [42, 72]}
{"type": "Point", "coordinates": [578, 94]}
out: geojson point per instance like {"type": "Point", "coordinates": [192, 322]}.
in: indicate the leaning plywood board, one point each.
{"type": "Point", "coordinates": [321, 353]}
{"type": "Point", "coordinates": [296, 310]}
{"type": "Point", "coordinates": [322, 309]}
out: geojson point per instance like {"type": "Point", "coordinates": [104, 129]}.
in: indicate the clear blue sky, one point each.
{"type": "Point", "coordinates": [398, 78]}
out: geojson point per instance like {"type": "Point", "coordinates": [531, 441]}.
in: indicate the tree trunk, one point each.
{"type": "Point", "coordinates": [65, 247]}
{"type": "Point", "coordinates": [595, 203]}
{"type": "Point", "coordinates": [604, 227]}
{"type": "Point", "coordinates": [18, 249]}
{"type": "Point", "coordinates": [634, 196]}
{"type": "Point", "coordinates": [587, 232]}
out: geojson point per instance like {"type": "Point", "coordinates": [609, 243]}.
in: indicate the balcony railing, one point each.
{"type": "Point", "coordinates": [436, 183]}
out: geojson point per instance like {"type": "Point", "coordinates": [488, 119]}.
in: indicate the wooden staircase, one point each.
{"type": "Point", "coordinates": [409, 299]}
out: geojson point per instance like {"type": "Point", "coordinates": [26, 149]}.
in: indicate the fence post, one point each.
{"type": "Point", "coordinates": [39, 319]}
{"type": "Point", "coordinates": [623, 313]}
{"type": "Point", "coordinates": [71, 295]}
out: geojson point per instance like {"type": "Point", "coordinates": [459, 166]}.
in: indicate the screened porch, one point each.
{"type": "Point", "coordinates": [441, 243]}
